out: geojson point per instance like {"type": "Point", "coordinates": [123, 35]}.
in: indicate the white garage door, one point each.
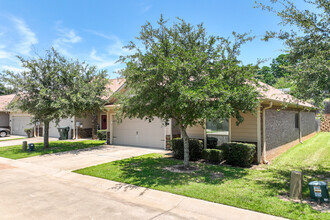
{"type": "Point", "coordinates": [137, 132]}
{"type": "Point", "coordinates": [53, 131]}
{"type": "Point", "coordinates": [19, 123]}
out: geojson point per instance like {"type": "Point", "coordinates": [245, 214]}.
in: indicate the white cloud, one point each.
{"type": "Point", "coordinates": [66, 38]}
{"type": "Point", "coordinates": [28, 37]}
{"type": "Point", "coordinates": [93, 55]}
{"type": "Point", "coordinates": [106, 64]}
{"type": "Point", "coordinates": [3, 53]}
{"type": "Point", "coordinates": [117, 49]}
{"type": "Point", "coordinates": [12, 68]}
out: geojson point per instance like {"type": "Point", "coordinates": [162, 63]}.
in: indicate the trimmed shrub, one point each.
{"type": "Point", "coordinates": [238, 154]}
{"type": "Point", "coordinates": [195, 148]}
{"type": "Point", "coordinates": [206, 154]}
{"type": "Point", "coordinates": [213, 155]}
{"type": "Point", "coordinates": [29, 132]}
{"type": "Point", "coordinates": [102, 134]}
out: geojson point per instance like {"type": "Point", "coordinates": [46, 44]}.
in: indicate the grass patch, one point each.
{"type": "Point", "coordinates": [257, 190]}
{"type": "Point", "coordinates": [15, 152]}
{"type": "Point", "coordinates": [13, 139]}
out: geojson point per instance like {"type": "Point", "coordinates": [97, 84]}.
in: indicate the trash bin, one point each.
{"type": "Point", "coordinates": [319, 191]}
{"type": "Point", "coordinates": [64, 133]}
{"type": "Point", "coordinates": [212, 142]}
{"type": "Point", "coordinates": [31, 147]}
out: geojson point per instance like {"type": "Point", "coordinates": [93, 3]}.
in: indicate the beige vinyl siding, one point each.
{"type": "Point", "coordinates": [246, 131]}
{"type": "Point", "coordinates": [196, 132]}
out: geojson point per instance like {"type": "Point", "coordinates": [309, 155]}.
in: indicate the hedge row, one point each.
{"type": "Point", "coordinates": [102, 134]}
{"type": "Point", "coordinates": [195, 148]}
{"type": "Point", "coordinates": [235, 154]}
{"type": "Point", "coordinates": [213, 155]}
{"type": "Point", "coordinates": [238, 154]}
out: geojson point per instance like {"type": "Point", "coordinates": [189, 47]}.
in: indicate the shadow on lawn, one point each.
{"type": "Point", "coordinates": [63, 147]}
{"type": "Point", "coordinates": [149, 172]}
{"type": "Point", "coordinates": [279, 182]}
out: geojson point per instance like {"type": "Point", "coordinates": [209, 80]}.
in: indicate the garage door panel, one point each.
{"type": "Point", "coordinates": [19, 123]}
{"type": "Point", "coordinates": [139, 132]}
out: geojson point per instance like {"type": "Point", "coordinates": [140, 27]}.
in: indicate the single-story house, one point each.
{"type": "Point", "coordinates": [279, 122]}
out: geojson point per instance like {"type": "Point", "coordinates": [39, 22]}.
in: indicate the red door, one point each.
{"type": "Point", "coordinates": [103, 122]}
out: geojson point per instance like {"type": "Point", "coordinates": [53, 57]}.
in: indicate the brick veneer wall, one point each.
{"type": "Point", "coordinates": [83, 132]}
{"type": "Point", "coordinates": [308, 123]}
{"type": "Point", "coordinates": [280, 126]}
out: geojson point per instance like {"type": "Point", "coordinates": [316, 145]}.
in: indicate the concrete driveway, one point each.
{"type": "Point", "coordinates": [72, 160]}
{"type": "Point", "coordinates": [9, 142]}
{"type": "Point", "coordinates": [30, 191]}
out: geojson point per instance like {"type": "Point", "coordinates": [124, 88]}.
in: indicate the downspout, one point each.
{"type": "Point", "coordinates": [264, 132]}
{"type": "Point", "coordinates": [299, 126]}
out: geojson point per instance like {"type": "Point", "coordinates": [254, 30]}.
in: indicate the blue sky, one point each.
{"type": "Point", "coordinates": [95, 31]}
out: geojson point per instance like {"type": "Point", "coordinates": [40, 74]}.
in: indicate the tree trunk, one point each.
{"type": "Point", "coordinates": [94, 126]}
{"type": "Point", "coordinates": [185, 147]}
{"type": "Point", "coordinates": [46, 134]}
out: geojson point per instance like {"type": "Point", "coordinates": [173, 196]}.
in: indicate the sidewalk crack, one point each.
{"type": "Point", "coordinates": [167, 210]}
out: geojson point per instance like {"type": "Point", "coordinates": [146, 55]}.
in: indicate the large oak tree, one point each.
{"type": "Point", "coordinates": [53, 87]}
{"type": "Point", "coordinates": [179, 72]}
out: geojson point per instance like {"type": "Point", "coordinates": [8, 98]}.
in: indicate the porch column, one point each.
{"type": "Point", "coordinates": [111, 127]}
{"type": "Point", "coordinates": [258, 135]}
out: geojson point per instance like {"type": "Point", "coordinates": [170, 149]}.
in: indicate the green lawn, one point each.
{"type": "Point", "coordinates": [15, 152]}
{"type": "Point", "coordinates": [13, 139]}
{"type": "Point", "coordinates": [254, 189]}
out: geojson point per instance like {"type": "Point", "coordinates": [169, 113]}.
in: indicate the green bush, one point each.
{"type": "Point", "coordinates": [213, 155]}
{"type": "Point", "coordinates": [238, 154]}
{"type": "Point", "coordinates": [29, 132]}
{"type": "Point", "coordinates": [195, 148]}
{"type": "Point", "coordinates": [102, 134]}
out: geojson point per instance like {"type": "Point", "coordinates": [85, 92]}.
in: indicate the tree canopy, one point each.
{"type": "Point", "coordinates": [308, 48]}
{"type": "Point", "coordinates": [4, 90]}
{"type": "Point", "coordinates": [52, 87]}
{"type": "Point", "coordinates": [182, 73]}
{"type": "Point", "coordinates": [277, 74]}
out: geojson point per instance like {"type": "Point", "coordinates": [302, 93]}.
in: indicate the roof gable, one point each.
{"type": "Point", "coordinates": [5, 100]}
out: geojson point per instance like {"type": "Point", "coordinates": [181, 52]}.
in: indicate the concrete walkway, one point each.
{"type": "Point", "coordinates": [73, 160]}
{"type": "Point", "coordinates": [30, 191]}
{"type": "Point", "coordinates": [20, 141]}
{"type": "Point", "coordinates": [12, 137]}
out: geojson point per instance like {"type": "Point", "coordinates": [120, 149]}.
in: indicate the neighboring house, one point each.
{"type": "Point", "coordinates": [278, 123]}
{"type": "Point", "coordinates": [4, 113]}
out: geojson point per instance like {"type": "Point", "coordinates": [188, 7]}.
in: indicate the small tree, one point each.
{"type": "Point", "coordinates": [52, 87]}
{"type": "Point", "coordinates": [182, 73]}
{"type": "Point", "coordinates": [308, 48]}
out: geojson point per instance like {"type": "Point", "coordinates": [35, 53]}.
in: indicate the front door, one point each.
{"type": "Point", "coordinates": [103, 122]}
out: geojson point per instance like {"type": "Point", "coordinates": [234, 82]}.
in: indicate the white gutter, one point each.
{"type": "Point", "coordinates": [264, 132]}
{"type": "Point", "coordinates": [299, 126]}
